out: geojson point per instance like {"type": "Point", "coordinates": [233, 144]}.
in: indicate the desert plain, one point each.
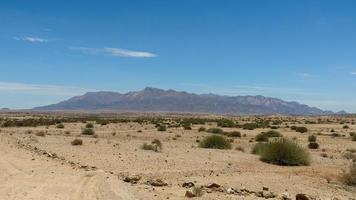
{"type": "Point", "coordinates": [42, 162]}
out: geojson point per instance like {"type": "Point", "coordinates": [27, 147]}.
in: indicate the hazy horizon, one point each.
{"type": "Point", "coordinates": [300, 51]}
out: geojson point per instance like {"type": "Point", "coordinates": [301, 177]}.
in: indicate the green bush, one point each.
{"type": "Point", "coordinates": [155, 146]}
{"type": "Point", "coordinates": [313, 145]}
{"type": "Point", "coordinates": [88, 131]}
{"type": "Point", "coordinates": [215, 142]}
{"type": "Point", "coordinates": [257, 148]}
{"type": "Point", "coordinates": [312, 138]}
{"type": "Point", "coordinates": [282, 151]}
{"type": "Point", "coordinates": [261, 137]}
{"type": "Point", "coordinates": [273, 134]}
{"type": "Point", "coordinates": [60, 126]}
{"type": "Point", "coordinates": [345, 127]}
{"type": "Point", "coordinates": [201, 129]}
{"type": "Point", "coordinates": [233, 134]}
{"type": "Point", "coordinates": [353, 138]}
{"type": "Point", "coordinates": [161, 128]}
{"type": "Point", "coordinates": [301, 129]}
{"type": "Point", "coordinates": [349, 178]}
{"type": "Point", "coordinates": [89, 125]}
{"type": "Point", "coordinates": [226, 123]}
{"type": "Point", "coordinates": [215, 130]}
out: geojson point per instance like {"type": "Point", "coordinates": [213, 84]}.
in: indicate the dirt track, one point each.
{"type": "Point", "coordinates": [25, 175]}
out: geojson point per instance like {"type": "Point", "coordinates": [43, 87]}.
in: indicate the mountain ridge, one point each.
{"type": "Point", "coordinates": [158, 100]}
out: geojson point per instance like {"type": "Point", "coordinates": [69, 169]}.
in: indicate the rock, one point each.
{"type": "Point", "coordinates": [302, 197]}
{"type": "Point", "coordinates": [157, 183]}
{"type": "Point", "coordinates": [286, 196]}
{"type": "Point", "coordinates": [213, 185]}
{"type": "Point", "coordinates": [132, 179]}
{"type": "Point", "coordinates": [189, 194]}
{"type": "Point", "coordinates": [230, 191]}
{"type": "Point", "coordinates": [268, 195]}
{"type": "Point", "coordinates": [188, 184]}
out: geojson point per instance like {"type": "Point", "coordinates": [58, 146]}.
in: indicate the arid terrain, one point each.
{"type": "Point", "coordinates": [40, 162]}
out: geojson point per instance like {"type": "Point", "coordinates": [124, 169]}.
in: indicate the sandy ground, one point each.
{"type": "Point", "coordinates": [96, 169]}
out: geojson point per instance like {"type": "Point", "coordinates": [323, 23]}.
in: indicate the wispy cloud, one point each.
{"type": "Point", "coordinates": [304, 75]}
{"type": "Point", "coordinates": [353, 73]}
{"type": "Point", "coordinates": [118, 52]}
{"type": "Point", "coordinates": [39, 89]}
{"type": "Point", "coordinates": [32, 39]}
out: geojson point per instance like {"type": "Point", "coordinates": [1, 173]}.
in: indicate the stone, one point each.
{"type": "Point", "coordinates": [189, 194]}
{"type": "Point", "coordinates": [302, 197]}
{"type": "Point", "coordinates": [132, 179]}
{"type": "Point", "coordinates": [157, 183]}
{"type": "Point", "coordinates": [188, 184]}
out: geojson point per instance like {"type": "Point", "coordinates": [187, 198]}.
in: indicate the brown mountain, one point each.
{"type": "Point", "coordinates": [156, 100]}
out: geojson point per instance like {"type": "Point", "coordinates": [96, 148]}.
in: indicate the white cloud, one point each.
{"type": "Point", "coordinates": [32, 39]}
{"type": "Point", "coordinates": [118, 52]}
{"type": "Point", "coordinates": [38, 89]}
{"type": "Point", "coordinates": [353, 73]}
{"type": "Point", "coordinates": [304, 75]}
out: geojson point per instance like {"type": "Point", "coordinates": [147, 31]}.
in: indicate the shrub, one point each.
{"type": "Point", "coordinates": [161, 128]}
{"type": "Point", "coordinates": [352, 134]}
{"type": "Point", "coordinates": [345, 127]}
{"type": "Point", "coordinates": [301, 129]}
{"type": "Point", "coordinates": [41, 134]}
{"type": "Point", "coordinates": [155, 146]}
{"type": "Point", "coordinates": [226, 123]}
{"type": "Point", "coordinates": [187, 127]}
{"type": "Point", "coordinates": [257, 148]}
{"type": "Point", "coordinates": [313, 145]}
{"type": "Point", "coordinates": [282, 151]}
{"type": "Point", "coordinates": [60, 126]}
{"type": "Point", "coordinates": [89, 125]}
{"type": "Point", "coordinates": [201, 129]}
{"type": "Point", "coordinates": [349, 178]}
{"type": "Point", "coordinates": [215, 130]}
{"type": "Point", "coordinates": [250, 126]}
{"type": "Point", "coordinates": [273, 134]}
{"type": "Point", "coordinates": [233, 134]}
{"type": "Point", "coordinates": [293, 128]}
{"type": "Point", "coordinates": [312, 138]}
{"type": "Point", "coordinates": [215, 142]}
{"type": "Point", "coordinates": [353, 138]}
{"type": "Point", "coordinates": [77, 142]}
{"type": "Point", "coordinates": [261, 137]}
{"type": "Point", "coordinates": [88, 131]}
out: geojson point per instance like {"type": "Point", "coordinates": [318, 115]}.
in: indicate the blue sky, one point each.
{"type": "Point", "coordinates": [295, 50]}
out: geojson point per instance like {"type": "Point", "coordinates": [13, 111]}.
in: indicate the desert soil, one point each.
{"type": "Point", "coordinates": [49, 167]}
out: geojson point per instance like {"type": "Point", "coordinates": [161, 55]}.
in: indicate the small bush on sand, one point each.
{"type": "Point", "coordinates": [77, 142]}
{"type": "Point", "coordinates": [233, 134]}
{"type": "Point", "coordinates": [215, 142]}
{"type": "Point", "coordinates": [273, 134]}
{"type": "Point", "coordinates": [301, 129]}
{"type": "Point", "coordinates": [60, 126]}
{"type": "Point", "coordinates": [88, 131]}
{"type": "Point", "coordinates": [353, 138]}
{"type": "Point", "coordinates": [313, 145]}
{"type": "Point", "coordinates": [215, 130]}
{"type": "Point", "coordinates": [41, 134]}
{"type": "Point", "coordinates": [261, 138]}
{"type": "Point", "coordinates": [345, 127]}
{"type": "Point", "coordinates": [201, 129]}
{"type": "Point", "coordinates": [282, 151]}
{"type": "Point", "coordinates": [155, 146]}
{"type": "Point", "coordinates": [161, 128]}
{"type": "Point", "coordinates": [89, 125]}
{"type": "Point", "coordinates": [349, 177]}
{"type": "Point", "coordinates": [257, 148]}
{"type": "Point", "coordinates": [312, 138]}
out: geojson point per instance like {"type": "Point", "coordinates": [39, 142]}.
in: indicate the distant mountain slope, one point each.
{"type": "Point", "coordinates": [155, 100]}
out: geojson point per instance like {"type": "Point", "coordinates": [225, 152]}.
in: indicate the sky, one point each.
{"type": "Point", "coordinates": [301, 50]}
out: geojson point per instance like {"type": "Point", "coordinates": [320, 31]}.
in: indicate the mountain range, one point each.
{"type": "Point", "coordinates": [158, 100]}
